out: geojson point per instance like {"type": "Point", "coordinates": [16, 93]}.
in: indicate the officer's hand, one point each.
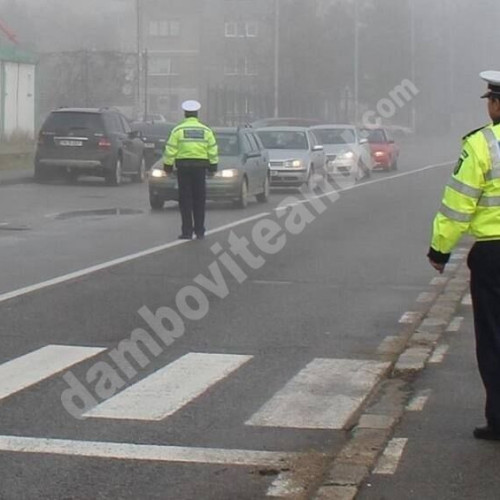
{"type": "Point", "coordinates": [168, 168]}
{"type": "Point", "coordinates": [213, 168]}
{"type": "Point", "coordinates": [437, 266]}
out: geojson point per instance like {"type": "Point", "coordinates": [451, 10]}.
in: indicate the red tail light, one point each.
{"type": "Point", "coordinates": [104, 143]}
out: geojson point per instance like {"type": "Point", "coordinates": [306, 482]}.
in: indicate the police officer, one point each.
{"type": "Point", "coordinates": [192, 148]}
{"type": "Point", "coordinates": [471, 203]}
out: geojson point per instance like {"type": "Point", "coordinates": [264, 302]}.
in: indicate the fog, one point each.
{"type": "Point", "coordinates": [327, 69]}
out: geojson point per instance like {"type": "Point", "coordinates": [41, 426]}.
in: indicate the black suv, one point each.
{"type": "Point", "coordinates": [89, 141]}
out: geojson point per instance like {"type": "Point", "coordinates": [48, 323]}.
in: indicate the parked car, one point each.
{"type": "Point", "coordinates": [242, 171]}
{"type": "Point", "coordinates": [346, 152]}
{"type": "Point", "coordinates": [385, 152]}
{"type": "Point", "coordinates": [89, 141]}
{"type": "Point", "coordinates": [154, 136]}
{"type": "Point", "coordinates": [296, 157]}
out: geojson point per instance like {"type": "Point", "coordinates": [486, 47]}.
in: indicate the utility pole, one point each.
{"type": "Point", "coordinates": [276, 56]}
{"type": "Point", "coordinates": [138, 16]}
{"type": "Point", "coordinates": [146, 81]}
{"type": "Point", "coordinates": [356, 60]}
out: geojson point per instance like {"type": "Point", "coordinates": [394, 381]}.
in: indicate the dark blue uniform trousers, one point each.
{"type": "Point", "coordinates": [192, 195]}
{"type": "Point", "coordinates": [484, 264]}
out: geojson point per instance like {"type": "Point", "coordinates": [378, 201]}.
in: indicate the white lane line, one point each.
{"type": "Point", "coordinates": [127, 258]}
{"type": "Point", "coordinates": [170, 388]}
{"type": "Point", "coordinates": [419, 401]}
{"type": "Point", "coordinates": [439, 353]}
{"type": "Point", "coordinates": [455, 324]}
{"type": "Point", "coordinates": [467, 300]}
{"type": "Point", "coordinates": [28, 370]}
{"type": "Point", "coordinates": [409, 317]}
{"type": "Point", "coordinates": [157, 453]}
{"type": "Point", "coordinates": [265, 282]}
{"type": "Point", "coordinates": [389, 461]}
{"type": "Point", "coordinates": [458, 256]}
{"type": "Point", "coordinates": [451, 267]}
{"type": "Point", "coordinates": [285, 485]}
{"type": "Point", "coordinates": [106, 265]}
{"type": "Point", "coordinates": [323, 395]}
{"type": "Point", "coordinates": [425, 297]}
{"type": "Point", "coordinates": [438, 280]}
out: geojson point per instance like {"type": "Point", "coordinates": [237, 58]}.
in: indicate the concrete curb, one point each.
{"type": "Point", "coordinates": [409, 353]}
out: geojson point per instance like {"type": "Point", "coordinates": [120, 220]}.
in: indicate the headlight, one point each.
{"type": "Point", "coordinates": [227, 173]}
{"type": "Point", "coordinates": [348, 155]}
{"type": "Point", "coordinates": [378, 154]}
{"type": "Point", "coordinates": [293, 164]}
{"type": "Point", "coordinates": [158, 172]}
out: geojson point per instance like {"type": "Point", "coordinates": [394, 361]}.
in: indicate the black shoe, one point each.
{"type": "Point", "coordinates": [185, 237]}
{"type": "Point", "coordinates": [200, 236]}
{"type": "Point", "coordinates": [487, 432]}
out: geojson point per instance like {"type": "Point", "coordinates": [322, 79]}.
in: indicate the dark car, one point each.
{"type": "Point", "coordinates": [242, 172]}
{"type": "Point", "coordinates": [154, 136]}
{"type": "Point", "coordinates": [89, 141]}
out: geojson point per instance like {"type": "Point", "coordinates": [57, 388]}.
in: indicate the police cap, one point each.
{"type": "Point", "coordinates": [191, 105]}
{"type": "Point", "coordinates": [492, 78]}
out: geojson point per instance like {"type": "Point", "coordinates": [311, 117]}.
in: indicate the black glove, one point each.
{"type": "Point", "coordinates": [213, 168]}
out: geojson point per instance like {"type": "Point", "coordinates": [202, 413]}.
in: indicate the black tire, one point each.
{"type": "Point", "coordinates": [242, 201]}
{"type": "Point", "coordinates": [156, 202]}
{"type": "Point", "coordinates": [394, 165]}
{"type": "Point", "coordinates": [140, 176]}
{"type": "Point", "coordinates": [114, 177]}
{"type": "Point", "coordinates": [264, 196]}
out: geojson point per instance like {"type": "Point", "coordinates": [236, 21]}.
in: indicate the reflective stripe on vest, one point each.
{"type": "Point", "coordinates": [454, 214]}
{"type": "Point", "coordinates": [462, 188]}
{"type": "Point", "coordinates": [494, 148]}
{"type": "Point", "coordinates": [491, 201]}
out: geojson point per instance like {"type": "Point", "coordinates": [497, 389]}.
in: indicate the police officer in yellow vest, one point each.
{"type": "Point", "coordinates": [192, 148]}
{"type": "Point", "coordinates": [471, 204]}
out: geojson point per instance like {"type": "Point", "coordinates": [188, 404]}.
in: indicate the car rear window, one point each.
{"type": "Point", "coordinates": [65, 122]}
{"type": "Point", "coordinates": [335, 135]}
{"type": "Point", "coordinates": [228, 144]}
{"type": "Point", "coordinates": [375, 136]}
{"type": "Point", "coordinates": [283, 139]}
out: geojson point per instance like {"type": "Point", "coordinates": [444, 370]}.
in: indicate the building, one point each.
{"type": "Point", "coordinates": [17, 90]}
{"type": "Point", "coordinates": [191, 51]}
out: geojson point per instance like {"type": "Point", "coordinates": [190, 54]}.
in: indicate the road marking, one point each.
{"type": "Point", "coordinates": [455, 324]}
{"type": "Point", "coordinates": [452, 267]}
{"type": "Point", "coordinates": [39, 365]}
{"type": "Point", "coordinates": [150, 251]}
{"type": "Point", "coordinates": [286, 485]}
{"type": "Point", "coordinates": [265, 282]}
{"type": "Point", "coordinates": [458, 256]}
{"type": "Point", "coordinates": [419, 401]}
{"type": "Point", "coordinates": [323, 395]}
{"type": "Point", "coordinates": [439, 353]}
{"type": "Point", "coordinates": [389, 461]}
{"type": "Point", "coordinates": [170, 388]}
{"type": "Point", "coordinates": [467, 300]}
{"type": "Point", "coordinates": [438, 280]}
{"type": "Point", "coordinates": [409, 317]}
{"type": "Point", "coordinates": [425, 297]}
{"type": "Point", "coordinates": [157, 453]}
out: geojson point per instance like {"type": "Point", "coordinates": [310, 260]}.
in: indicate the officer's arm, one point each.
{"type": "Point", "coordinates": [213, 151]}
{"type": "Point", "coordinates": [460, 199]}
{"type": "Point", "coordinates": [171, 149]}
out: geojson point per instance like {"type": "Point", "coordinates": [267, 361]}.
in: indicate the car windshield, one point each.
{"type": "Point", "coordinates": [228, 144]}
{"type": "Point", "coordinates": [283, 139]}
{"type": "Point", "coordinates": [335, 135]}
{"type": "Point", "coordinates": [74, 121]}
{"type": "Point", "coordinates": [374, 136]}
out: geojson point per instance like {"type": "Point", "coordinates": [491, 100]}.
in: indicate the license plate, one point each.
{"type": "Point", "coordinates": [149, 145]}
{"type": "Point", "coordinates": [66, 142]}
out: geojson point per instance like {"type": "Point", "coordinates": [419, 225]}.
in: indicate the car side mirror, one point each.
{"type": "Point", "coordinates": [318, 147]}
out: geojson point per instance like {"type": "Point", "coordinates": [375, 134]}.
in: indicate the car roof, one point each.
{"type": "Point", "coordinates": [226, 130]}
{"type": "Point", "coordinates": [333, 126]}
{"type": "Point", "coordinates": [284, 128]}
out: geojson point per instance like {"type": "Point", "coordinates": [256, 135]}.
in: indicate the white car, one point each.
{"type": "Point", "coordinates": [295, 157]}
{"type": "Point", "coordinates": [347, 153]}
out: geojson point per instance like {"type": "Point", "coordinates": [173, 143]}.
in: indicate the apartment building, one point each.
{"type": "Point", "coordinates": [217, 51]}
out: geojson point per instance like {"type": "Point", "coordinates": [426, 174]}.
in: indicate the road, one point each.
{"type": "Point", "coordinates": [262, 352]}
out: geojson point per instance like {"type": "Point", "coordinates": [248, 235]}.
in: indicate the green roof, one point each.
{"type": "Point", "coordinates": [12, 53]}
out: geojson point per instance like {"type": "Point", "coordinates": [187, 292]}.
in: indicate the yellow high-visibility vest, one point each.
{"type": "Point", "coordinates": [471, 200]}
{"type": "Point", "coordinates": [191, 140]}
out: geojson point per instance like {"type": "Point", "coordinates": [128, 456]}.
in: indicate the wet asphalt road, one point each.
{"type": "Point", "coordinates": [334, 291]}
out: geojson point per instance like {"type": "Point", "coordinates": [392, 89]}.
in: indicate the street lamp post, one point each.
{"type": "Point", "coordinates": [276, 56]}
{"type": "Point", "coordinates": [138, 16]}
{"type": "Point", "coordinates": [356, 60]}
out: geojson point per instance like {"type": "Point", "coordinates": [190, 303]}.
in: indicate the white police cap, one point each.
{"type": "Point", "coordinates": [492, 78]}
{"type": "Point", "coordinates": [191, 105]}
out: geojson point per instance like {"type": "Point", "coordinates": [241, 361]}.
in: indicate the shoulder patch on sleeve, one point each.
{"type": "Point", "coordinates": [462, 158]}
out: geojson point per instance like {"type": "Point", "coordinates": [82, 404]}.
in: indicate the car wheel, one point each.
{"type": "Point", "coordinates": [242, 201]}
{"type": "Point", "coordinates": [141, 175]}
{"type": "Point", "coordinates": [394, 165]}
{"type": "Point", "coordinates": [114, 178]}
{"type": "Point", "coordinates": [264, 196]}
{"type": "Point", "coordinates": [156, 202]}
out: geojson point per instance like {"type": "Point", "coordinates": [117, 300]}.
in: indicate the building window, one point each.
{"type": "Point", "coordinates": [161, 65]}
{"type": "Point", "coordinates": [231, 29]}
{"type": "Point", "coordinates": [165, 28]}
{"type": "Point", "coordinates": [239, 66]}
{"type": "Point", "coordinates": [251, 30]}
{"type": "Point", "coordinates": [250, 67]}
